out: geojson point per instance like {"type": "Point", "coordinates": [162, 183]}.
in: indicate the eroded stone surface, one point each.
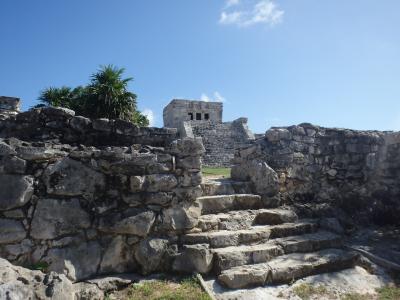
{"type": "Point", "coordinates": [15, 190]}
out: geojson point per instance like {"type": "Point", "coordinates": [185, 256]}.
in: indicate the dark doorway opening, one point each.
{"type": "Point", "coordinates": [198, 116]}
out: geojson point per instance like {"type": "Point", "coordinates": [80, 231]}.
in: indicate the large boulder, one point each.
{"type": "Point", "coordinates": [118, 257]}
{"type": "Point", "coordinates": [150, 253]}
{"type": "Point", "coordinates": [54, 218]}
{"type": "Point", "coordinates": [194, 258]}
{"type": "Point", "coordinates": [78, 261]}
{"type": "Point", "coordinates": [18, 283]}
{"type": "Point", "coordinates": [15, 190]}
{"type": "Point", "coordinates": [180, 218]}
{"type": "Point", "coordinates": [69, 177]}
{"type": "Point", "coordinates": [264, 179]}
{"type": "Point", "coordinates": [11, 231]}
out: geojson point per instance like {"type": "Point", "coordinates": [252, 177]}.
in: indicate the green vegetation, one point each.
{"type": "Point", "coordinates": [222, 172]}
{"type": "Point", "coordinates": [305, 291]}
{"type": "Point", "coordinates": [389, 293]}
{"type": "Point", "coordinates": [106, 96]}
{"type": "Point", "coordinates": [167, 290]}
{"type": "Point", "coordinates": [354, 296]}
{"type": "Point", "coordinates": [41, 266]}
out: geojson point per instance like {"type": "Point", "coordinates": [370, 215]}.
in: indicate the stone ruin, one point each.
{"type": "Point", "coordinates": [204, 119]}
{"type": "Point", "coordinates": [93, 197]}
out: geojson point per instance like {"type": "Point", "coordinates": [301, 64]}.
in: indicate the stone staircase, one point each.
{"type": "Point", "coordinates": [244, 244]}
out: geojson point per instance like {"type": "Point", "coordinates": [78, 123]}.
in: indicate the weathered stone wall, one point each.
{"type": "Point", "coordinates": [323, 168]}
{"type": "Point", "coordinates": [84, 208]}
{"type": "Point", "coordinates": [61, 125]}
{"type": "Point", "coordinates": [221, 139]}
{"type": "Point", "coordinates": [9, 106]}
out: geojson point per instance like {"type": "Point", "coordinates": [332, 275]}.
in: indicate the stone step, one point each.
{"type": "Point", "coordinates": [226, 238]}
{"type": "Point", "coordinates": [286, 268]}
{"type": "Point", "coordinates": [228, 257]}
{"type": "Point", "coordinates": [237, 220]}
{"type": "Point", "coordinates": [225, 203]}
{"type": "Point", "coordinates": [223, 186]}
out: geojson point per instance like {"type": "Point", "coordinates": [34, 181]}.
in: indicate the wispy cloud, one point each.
{"type": "Point", "coordinates": [150, 116]}
{"type": "Point", "coordinates": [251, 13]}
{"type": "Point", "coordinates": [230, 3]}
{"type": "Point", "coordinates": [217, 97]}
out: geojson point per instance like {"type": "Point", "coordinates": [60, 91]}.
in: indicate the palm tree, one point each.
{"type": "Point", "coordinates": [109, 96]}
{"type": "Point", "coordinates": [106, 96]}
{"type": "Point", "coordinates": [53, 96]}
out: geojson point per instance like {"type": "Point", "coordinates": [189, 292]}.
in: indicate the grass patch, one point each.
{"type": "Point", "coordinates": [389, 293]}
{"type": "Point", "coordinates": [305, 291]}
{"type": "Point", "coordinates": [188, 288]}
{"type": "Point", "coordinates": [223, 172]}
{"type": "Point", "coordinates": [354, 296]}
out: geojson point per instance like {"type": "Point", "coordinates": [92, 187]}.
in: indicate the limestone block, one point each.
{"type": "Point", "coordinates": [14, 165]}
{"type": "Point", "coordinates": [160, 182]}
{"type": "Point", "coordinates": [80, 123]}
{"type": "Point", "coordinates": [77, 262]}
{"type": "Point", "coordinates": [39, 153]}
{"type": "Point", "coordinates": [187, 147]}
{"type": "Point", "coordinates": [18, 283]}
{"type": "Point", "coordinates": [118, 257]}
{"type": "Point", "coordinates": [194, 258]}
{"type": "Point", "coordinates": [15, 191]}
{"type": "Point", "coordinates": [277, 134]}
{"type": "Point", "coordinates": [54, 218]}
{"type": "Point", "coordinates": [139, 222]}
{"type": "Point", "coordinates": [150, 253]}
{"type": "Point", "coordinates": [136, 183]}
{"type": "Point", "coordinates": [11, 231]}
{"type": "Point", "coordinates": [180, 217]}
{"type": "Point", "coordinates": [69, 177]}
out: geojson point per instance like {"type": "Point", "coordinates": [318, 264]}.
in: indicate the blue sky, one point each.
{"type": "Point", "coordinates": [280, 62]}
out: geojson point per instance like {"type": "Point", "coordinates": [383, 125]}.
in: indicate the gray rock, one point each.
{"type": "Point", "coordinates": [80, 123]}
{"type": "Point", "coordinates": [6, 149]}
{"type": "Point", "coordinates": [87, 291]}
{"type": "Point", "coordinates": [138, 224]}
{"type": "Point", "coordinates": [69, 177]}
{"type": "Point", "coordinates": [160, 182]}
{"type": "Point", "coordinates": [179, 217]}
{"type": "Point", "coordinates": [54, 218]}
{"type": "Point", "coordinates": [101, 125]}
{"type": "Point", "coordinates": [118, 257]}
{"type": "Point", "coordinates": [331, 224]}
{"type": "Point", "coordinates": [277, 134]}
{"type": "Point", "coordinates": [194, 258]}
{"type": "Point", "coordinates": [39, 153]}
{"type": "Point", "coordinates": [11, 231]}
{"type": "Point", "coordinates": [150, 253]}
{"type": "Point", "coordinates": [14, 165]}
{"type": "Point", "coordinates": [18, 283]}
{"type": "Point", "coordinates": [187, 147]}
{"type": "Point", "coordinates": [58, 111]}
{"type": "Point", "coordinates": [77, 262]}
{"type": "Point", "coordinates": [136, 183]}
{"type": "Point", "coordinates": [15, 191]}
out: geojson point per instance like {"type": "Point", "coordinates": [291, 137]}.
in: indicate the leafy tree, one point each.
{"type": "Point", "coordinates": [107, 96]}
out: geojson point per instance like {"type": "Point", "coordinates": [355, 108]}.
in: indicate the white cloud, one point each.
{"type": "Point", "coordinates": [230, 3]}
{"type": "Point", "coordinates": [262, 12]}
{"type": "Point", "coordinates": [205, 98]}
{"type": "Point", "coordinates": [150, 116]}
{"type": "Point", "coordinates": [217, 97]}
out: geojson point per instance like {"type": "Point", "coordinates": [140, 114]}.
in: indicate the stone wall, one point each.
{"type": "Point", "coordinates": [220, 139]}
{"type": "Point", "coordinates": [81, 208]}
{"type": "Point", "coordinates": [324, 168]}
{"type": "Point", "coordinates": [9, 106]}
{"type": "Point", "coordinates": [61, 125]}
